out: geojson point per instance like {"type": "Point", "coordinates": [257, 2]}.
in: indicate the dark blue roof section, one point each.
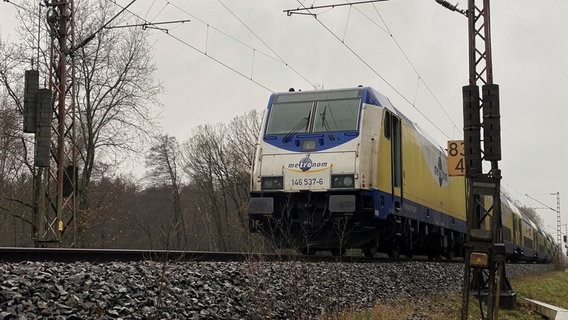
{"type": "Point", "coordinates": [369, 97]}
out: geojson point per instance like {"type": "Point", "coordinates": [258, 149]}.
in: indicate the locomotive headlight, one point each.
{"type": "Point", "coordinates": [309, 145]}
{"type": "Point", "coordinates": [272, 183]}
{"type": "Point", "coordinates": [342, 181]}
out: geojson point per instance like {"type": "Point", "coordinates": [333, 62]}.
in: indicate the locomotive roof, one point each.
{"type": "Point", "coordinates": [369, 96]}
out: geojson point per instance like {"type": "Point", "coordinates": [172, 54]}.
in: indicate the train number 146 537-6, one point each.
{"type": "Point", "coordinates": [307, 182]}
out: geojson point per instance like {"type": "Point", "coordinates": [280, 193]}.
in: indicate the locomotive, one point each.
{"type": "Point", "coordinates": [341, 169]}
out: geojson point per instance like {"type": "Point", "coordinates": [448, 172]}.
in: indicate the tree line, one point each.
{"type": "Point", "coordinates": [195, 191]}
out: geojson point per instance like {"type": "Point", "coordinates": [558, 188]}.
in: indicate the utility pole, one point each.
{"type": "Point", "coordinates": [565, 246]}
{"type": "Point", "coordinates": [558, 220]}
{"type": "Point", "coordinates": [56, 155]}
{"type": "Point", "coordinates": [559, 227]}
{"type": "Point", "coordinates": [484, 273]}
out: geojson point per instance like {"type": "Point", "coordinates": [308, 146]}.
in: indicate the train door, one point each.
{"type": "Point", "coordinates": [393, 133]}
{"type": "Point", "coordinates": [521, 234]}
{"type": "Point", "coordinates": [536, 242]}
{"type": "Point", "coordinates": [514, 231]}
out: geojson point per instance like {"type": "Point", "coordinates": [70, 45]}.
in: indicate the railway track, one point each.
{"type": "Point", "coordinates": [137, 284]}
{"type": "Point", "coordinates": [18, 254]}
{"type": "Point", "coordinates": [14, 254]}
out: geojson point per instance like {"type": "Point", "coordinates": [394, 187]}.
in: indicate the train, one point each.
{"type": "Point", "coordinates": [344, 169]}
{"type": "Point", "coordinates": [523, 239]}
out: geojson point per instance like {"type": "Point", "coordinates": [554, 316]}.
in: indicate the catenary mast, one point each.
{"type": "Point", "coordinates": [56, 155]}
{"type": "Point", "coordinates": [487, 278]}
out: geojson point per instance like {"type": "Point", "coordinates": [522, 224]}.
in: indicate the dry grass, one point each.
{"type": "Point", "coordinates": [550, 287]}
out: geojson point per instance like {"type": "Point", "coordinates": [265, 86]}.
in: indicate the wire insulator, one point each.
{"type": "Point", "coordinates": [451, 7]}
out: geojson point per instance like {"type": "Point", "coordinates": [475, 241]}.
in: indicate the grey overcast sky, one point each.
{"type": "Point", "coordinates": [233, 54]}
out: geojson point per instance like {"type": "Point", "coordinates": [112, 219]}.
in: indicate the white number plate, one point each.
{"type": "Point", "coordinates": [307, 182]}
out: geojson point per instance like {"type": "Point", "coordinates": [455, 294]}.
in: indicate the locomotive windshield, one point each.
{"type": "Point", "coordinates": [336, 115]}
{"type": "Point", "coordinates": [284, 117]}
{"type": "Point", "coordinates": [318, 112]}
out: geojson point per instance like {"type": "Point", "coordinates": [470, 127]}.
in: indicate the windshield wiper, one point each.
{"type": "Point", "coordinates": [326, 124]}
{"type": "Point", "coordinates": [305, 120]}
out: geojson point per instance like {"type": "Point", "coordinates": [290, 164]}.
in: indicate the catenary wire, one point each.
{"type": "Point", "coordinates": [376, 72]}
{"type": "Point", "coordinates": [387, 30]}
{"type": "Point", "coordinates": [278, 58]}
{"type": "Point", "coordinates": [159, 12]}
{"type": "Point", "coordinates": [149, 9]}
{"type": "Point", "coordinates": [266, 44]}
{"type": "Point", "coordinates": [421, 79]}
{"type": "Point", "coordinates": [197, 50]}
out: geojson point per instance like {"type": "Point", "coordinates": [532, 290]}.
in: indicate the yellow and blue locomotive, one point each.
{"type": "Point", "coordinates": [339, 169]}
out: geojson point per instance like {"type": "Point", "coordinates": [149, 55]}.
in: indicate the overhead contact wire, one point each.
{"type": "Point", "coordinates": [264, 42]}
{"type": "Point", "coordinates": [159, 12]}
{"type": "Point", "coordinates": [421, 79]}
{"type": "Point", "coordinates": [376, 73]}
{"type": "Point", "coordinates": [202, 52]}
{"type": "Point", "coordinates": [226, 34]}
{"type": "Point", "coordinates": [149, 9]}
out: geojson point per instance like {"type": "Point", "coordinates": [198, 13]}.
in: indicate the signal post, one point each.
{"type": "Point", "coordinates": [485, 273]}
{"type": "Point", "coordinates": [50, 115]}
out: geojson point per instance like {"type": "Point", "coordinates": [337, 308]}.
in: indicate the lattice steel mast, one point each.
{"type": "Point", "coordinates": [559, 227]}
{"type": "Point", "coordinates": [56, 190]}
{"type": "Point", "coordinates": [488, 281]}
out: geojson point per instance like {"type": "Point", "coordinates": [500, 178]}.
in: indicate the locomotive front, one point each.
{"type": "Point", "coordinates": [305, 182]}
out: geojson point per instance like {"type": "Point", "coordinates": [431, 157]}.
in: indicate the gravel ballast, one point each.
{"type": "Point", "coordinates": [217, 290]}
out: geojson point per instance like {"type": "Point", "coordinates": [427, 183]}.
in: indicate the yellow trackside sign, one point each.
{"type": "Point", "coordinates": [456, 161]}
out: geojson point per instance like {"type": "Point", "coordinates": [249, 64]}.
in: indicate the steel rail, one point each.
{"type": "Point", "coordinates": [68, 255]}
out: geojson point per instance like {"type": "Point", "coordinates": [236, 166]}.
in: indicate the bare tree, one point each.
{"type": "Point", "coordinates": [12, 151]}
{"type": "Point", "coordinates": [14, 157]}
{"type": "Point", "coordinates": [16, 182]}
{"type": "Point", "coordinates": [218, 159]}
{"type": "Point", "coordinates": [201, 158]}
{"type": "Point", "coordinates": [528, 211]}
{"type": "Point", "coordinates": [15, 168]}
{"type": "Point", "coordinates": [241, 141]}
{"type": "Point", "coordinates": [162, 160]}
{"type": "Point", "coordinates": [114, 80]}
{"type": "Point", "coordinates": [116, 87]}
{"type": "Point", "coordinates": [532, 215]}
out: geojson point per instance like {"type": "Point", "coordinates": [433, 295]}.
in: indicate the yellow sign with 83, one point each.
{"type": "Point", "coordinates": [456, 160]}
